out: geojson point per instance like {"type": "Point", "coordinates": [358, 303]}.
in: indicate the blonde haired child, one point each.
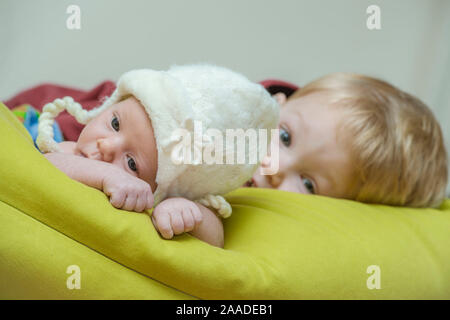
{"type": "Point", "coordinates": [356, 137]}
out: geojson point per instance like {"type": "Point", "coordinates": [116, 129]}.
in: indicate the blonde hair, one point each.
{"type": "Point", "coordinates": [393, 138]}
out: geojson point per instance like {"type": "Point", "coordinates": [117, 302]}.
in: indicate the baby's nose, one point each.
{"type": "Point", "coordinates": [107, 148]}
{"type": "Point", "coordinates": [266, 162]}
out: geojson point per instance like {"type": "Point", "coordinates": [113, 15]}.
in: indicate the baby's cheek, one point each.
{"type": "Point", "coordinates": [117, 163]}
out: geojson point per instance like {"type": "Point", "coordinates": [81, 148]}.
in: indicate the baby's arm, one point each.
{"type": "Point", "coordinates": [210, 229]}
{"type": "Point", "coordinates": [84, 170]}
{"type": "Point", "coordinates": [175, 216]}
{"type": "Point", "coordinates": [125, 191]}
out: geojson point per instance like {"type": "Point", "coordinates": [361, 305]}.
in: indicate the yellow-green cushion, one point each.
{"type": "Point", "coordinates": [278, 245]}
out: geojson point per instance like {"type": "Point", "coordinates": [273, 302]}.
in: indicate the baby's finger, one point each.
{"type": "Point", "coordinates": [130, 202]}
{"type": "Point", "coordinates": [196, 213]}
{"type": "Point", "coordinates": [117, 199]}
{"type": "Point", "coordinates": [163, 225]}
{"type": "Point", "coordinates": [141, 203]}
{"type": "Point", "coordinates": [150, 200]}
{"type": "Point", "coordinates": [176, 221]}
{"type": "Point", "coordinates": [188, 220]}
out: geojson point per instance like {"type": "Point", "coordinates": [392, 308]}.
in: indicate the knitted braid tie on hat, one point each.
{"type": "Point", "coordinates": [45, 140]}
{"type": "Point", "coordinates": [218, 203]}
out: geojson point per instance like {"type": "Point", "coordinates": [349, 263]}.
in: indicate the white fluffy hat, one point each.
{"type": "Point", "coordinates": [216, 97]}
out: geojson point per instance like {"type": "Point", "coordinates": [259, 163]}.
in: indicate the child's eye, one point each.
{"type": "Point", "coordinates": [132, 164]}
{"type": "Point", "coordinates": [115, 123]}
{"type": "Point", "coordinates": [285, 137]}
{"type": "Point", "coordinates": [309, 185]}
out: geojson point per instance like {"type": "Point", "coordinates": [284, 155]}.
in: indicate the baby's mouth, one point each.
{"type": "Point", "coordinates": [92, 156]}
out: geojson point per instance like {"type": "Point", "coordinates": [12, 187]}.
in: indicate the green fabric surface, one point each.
{"type": "Point", "coordinates": [34, 260]}
{"type": "Point", "coordinates": [278, 245]}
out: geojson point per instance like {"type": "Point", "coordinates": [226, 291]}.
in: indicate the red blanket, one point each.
{"type": "Point", "coordinates": [40, 95]}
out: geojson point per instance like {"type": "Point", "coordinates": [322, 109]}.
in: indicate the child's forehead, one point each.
{"type": "Point", "coordinates": [130, 105]}
{"type": "Point", "coordinates": [315, 117]}
{"type": "Point", "coordinates": [311, 99]}
{"type": "Point", "coordinates": [312, 107]}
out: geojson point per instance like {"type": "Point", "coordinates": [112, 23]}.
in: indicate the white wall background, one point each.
{"type": "Point", "coordinates": [293, 40]}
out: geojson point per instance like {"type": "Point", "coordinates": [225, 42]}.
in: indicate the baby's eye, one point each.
{"type": "Point", "coordinates": [285, 137]}
{"type": "Point", "coordinates": [132, 164]}
{"type": "Point", "coordinates": [309, 185]}
{"type": "Point", "coordinates": [115, 123]}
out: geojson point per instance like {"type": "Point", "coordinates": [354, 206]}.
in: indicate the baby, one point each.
{"type": "Point", "coordinates": [354, 137]}
{"type": "Point", "coordinates": [127, 147]}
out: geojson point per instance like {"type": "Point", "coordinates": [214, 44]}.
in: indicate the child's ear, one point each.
{"type": "Point", "coordinates": [280, 97]}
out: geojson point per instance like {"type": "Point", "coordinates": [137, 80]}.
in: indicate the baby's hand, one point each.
{"type": "Point", "coordinates": [176, 216]}
{"type": "Point", "coordinates": [127, 192]}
